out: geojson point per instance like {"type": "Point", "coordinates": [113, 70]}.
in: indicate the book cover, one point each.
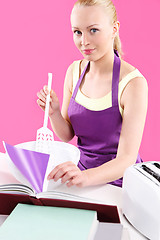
{"type": "Point", "coordinates": [37, 222]}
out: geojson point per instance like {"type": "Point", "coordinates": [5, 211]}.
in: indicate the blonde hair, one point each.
{"type": "Point", "coordinates": [109, 6]}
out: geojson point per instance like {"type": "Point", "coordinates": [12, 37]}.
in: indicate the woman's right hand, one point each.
{"type": "Point", "coordinates": [54, 102]}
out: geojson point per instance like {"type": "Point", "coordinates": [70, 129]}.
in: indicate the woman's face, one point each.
{"type": "Point", "coordinates": [93, 33]}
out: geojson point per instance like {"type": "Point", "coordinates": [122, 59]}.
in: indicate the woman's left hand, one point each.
{"type": "Point", "coordinates": [70, 173]}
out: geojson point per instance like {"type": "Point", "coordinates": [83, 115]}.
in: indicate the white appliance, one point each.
{"type": "Point", "coordinates": [141, 198]}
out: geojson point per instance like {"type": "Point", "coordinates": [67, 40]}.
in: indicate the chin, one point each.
{"type": "Point", "coordinates": [89, 57]}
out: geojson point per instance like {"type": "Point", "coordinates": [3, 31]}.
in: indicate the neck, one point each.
{"type": "Point", "coordinates": [103, 65]}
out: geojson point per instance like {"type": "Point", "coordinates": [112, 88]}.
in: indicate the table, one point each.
{"type": "Point", "coordinates": [107, 193]}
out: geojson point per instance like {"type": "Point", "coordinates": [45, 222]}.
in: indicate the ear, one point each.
{"type": "Point", "coordinates": [116, 26]}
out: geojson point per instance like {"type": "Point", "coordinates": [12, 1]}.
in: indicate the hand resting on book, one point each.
{"type": "Point", "coordinates": [70, 174]}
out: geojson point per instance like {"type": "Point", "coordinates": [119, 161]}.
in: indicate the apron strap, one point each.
{"type": "Point", "coordinates": [79, 81]}
{"type": "Point", "coordinates": [115, 78]}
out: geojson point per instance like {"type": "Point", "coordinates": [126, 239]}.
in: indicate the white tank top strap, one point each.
{"type": "Point", "coordinates": [75, 73]}
{"type": "Point", "coordinates": [123, 83]}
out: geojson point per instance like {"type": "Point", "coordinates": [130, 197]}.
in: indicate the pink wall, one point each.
{"type": "Point", "coordinates": [36, 39]}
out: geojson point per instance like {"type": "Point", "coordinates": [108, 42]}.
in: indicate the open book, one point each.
{"type": "Point", "coordinates": [31, 169]}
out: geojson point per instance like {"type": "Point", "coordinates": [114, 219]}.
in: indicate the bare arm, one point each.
{"type": "Point", "coordinates": [134, 100]}
{"type": "Point", "coordinates": [59, 118]}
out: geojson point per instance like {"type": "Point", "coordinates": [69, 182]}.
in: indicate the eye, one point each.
{"type": "Point", "coordinates": [77, 32]}
{"type": "Point", "coordinates": [94, 30]}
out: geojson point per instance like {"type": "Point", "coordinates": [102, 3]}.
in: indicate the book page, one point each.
{"type": "Point", "coordinates": [60, 152]}
{"type": "Point", "coordinates": [28, 164]}
{"type": "Point", "coordinates": [57, 190]}
{"type": "Point", "coordinates": [16, 189]}
{"type": "Point", "coordinates": [16, 173]}
{"type": "Point", "coordinates": [8, 182]}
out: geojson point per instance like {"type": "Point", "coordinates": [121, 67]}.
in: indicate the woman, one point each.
{"type": "Point", "coordinates": [104, 102]}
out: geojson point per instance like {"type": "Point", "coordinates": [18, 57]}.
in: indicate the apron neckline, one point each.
{"type": "Point", "coordinates": [115, 84]}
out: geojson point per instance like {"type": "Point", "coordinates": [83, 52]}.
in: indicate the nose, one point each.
{"type": "Point", "coordinates": [84, 40]}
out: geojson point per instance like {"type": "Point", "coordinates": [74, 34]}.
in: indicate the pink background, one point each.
{"type": "Point", "coordinates": [36, 38]}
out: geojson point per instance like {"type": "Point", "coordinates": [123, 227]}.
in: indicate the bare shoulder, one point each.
{"type": "Point", "coordinates": [69, 73]}
{"type": "Point", "coordinates": [67, 91]}
{"type": "Point", "coordinates": [139, 81]}
{"type": "Point", "coordinates": [83, 64]}
{"type": "Point", "coordinates": [136, 89]}
{"type": "Point", "coordinates": [126, 68]}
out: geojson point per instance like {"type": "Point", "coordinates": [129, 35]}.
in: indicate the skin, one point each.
{"type": "Point", "coordinates": [92, 29]}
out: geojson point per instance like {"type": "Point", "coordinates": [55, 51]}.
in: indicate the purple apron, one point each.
{"type": "Point", "coordinates": [98, 132]}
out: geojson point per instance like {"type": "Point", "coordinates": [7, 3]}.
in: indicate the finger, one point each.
{"type": "Point", "coordinates": [59, 175]}
{"type": "Point", "coordinates": [43, 93]}
{"type": "Point", "coordinates": [41, 103]}
{"type": "Point", "coordinates": [53, 94]}
{"type": "Point", "coordinates": [72, 182]}
{"type": "Point", "coordinates": [45, 88]}
{"type": "Point", "coordinates": [61, 168]}
{"type": "Point", "coordinates": [77, 181]}
{"type": "Point", "coordinates": [69, 175]}
{"type": "Point", "coordinates": [52, 173]}
{"type": "Point", "coordinates": [65, 170]}
{"type": "Point", "coordinates": [41, 96]}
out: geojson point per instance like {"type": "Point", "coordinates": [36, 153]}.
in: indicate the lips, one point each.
{"type": "Point", "coordinates": [87, 51]}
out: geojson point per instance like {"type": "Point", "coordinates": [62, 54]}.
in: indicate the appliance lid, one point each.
{"type": "Point", "coordinates": [151, 170]}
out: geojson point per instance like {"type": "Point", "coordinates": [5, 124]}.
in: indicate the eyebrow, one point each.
{"type": "Point", "coordinates": [88, 26]}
